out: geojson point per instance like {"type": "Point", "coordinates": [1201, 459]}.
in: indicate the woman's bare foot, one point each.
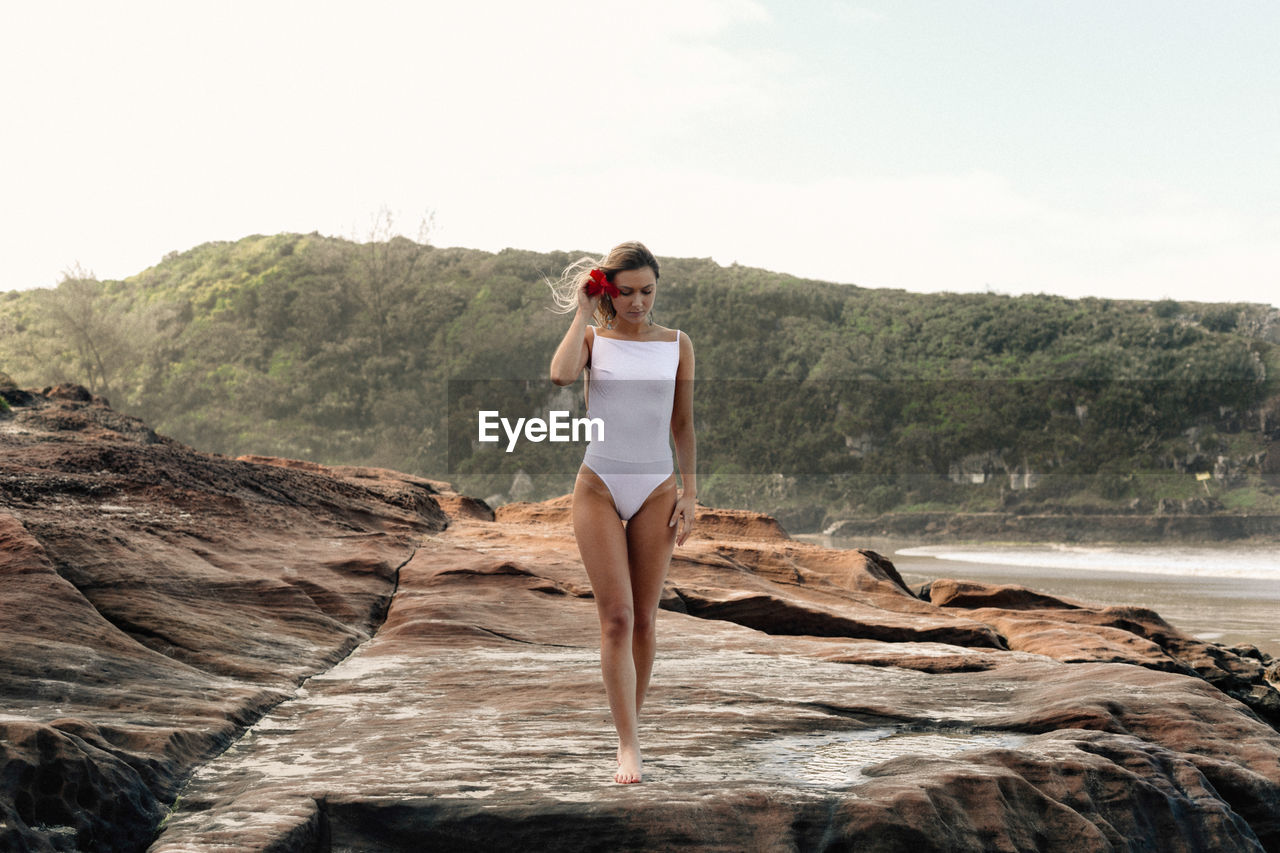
{"type": "Point", "coordinates": [629, 765]}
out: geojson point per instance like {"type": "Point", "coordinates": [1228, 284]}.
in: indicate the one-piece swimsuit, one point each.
{"type": "Point", "coordinates": [631, 388]}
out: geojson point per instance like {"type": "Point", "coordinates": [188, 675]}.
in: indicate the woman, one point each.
{"type": "Point", "coordinates": [627, 512]}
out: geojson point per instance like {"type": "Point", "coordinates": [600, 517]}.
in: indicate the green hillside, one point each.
{"type": "Point", "coordinates": [810, 394]}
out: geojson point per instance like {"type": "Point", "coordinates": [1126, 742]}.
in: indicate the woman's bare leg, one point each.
{"type": "Point", "coordinates": [649, 544]}
{"type": "Point", "coordinates": [602, 542]}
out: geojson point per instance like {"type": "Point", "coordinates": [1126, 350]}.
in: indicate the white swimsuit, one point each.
{"type": "Point", "coordinates": [631, 387]}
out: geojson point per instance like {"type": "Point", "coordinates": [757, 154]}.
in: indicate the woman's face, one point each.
{"type": "Point", "coordinates": [635, 294]}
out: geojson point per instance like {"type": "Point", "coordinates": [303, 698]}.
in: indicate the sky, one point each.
{"type": "Point", "coordinates": [1079, 147]}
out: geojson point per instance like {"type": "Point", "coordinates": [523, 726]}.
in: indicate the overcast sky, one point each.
{"type": "Point", "coordinates": [1080, 147]}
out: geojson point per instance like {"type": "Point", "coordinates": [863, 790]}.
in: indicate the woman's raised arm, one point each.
{"type": "Point", "coordinates": [571, 356]}
{"type": "Point", "coordinates": [574, 350]}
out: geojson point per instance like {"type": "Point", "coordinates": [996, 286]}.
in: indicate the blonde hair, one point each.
{"type": "Point", "coordinates": [632, 255]}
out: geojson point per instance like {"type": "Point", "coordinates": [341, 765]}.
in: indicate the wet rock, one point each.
{"type": "Point", "coordinates": [74, 787]}
{"type": "Point", "coordinates": [946, 592]}
{"type": "Point", "coordinates": [1248, 650]}
{"type": "Point", "coordinates": [158, 601]}
{"type": "Point", "coordinates": [1076, 632]}
{"type": "Point", "coordinates": [478, 720]}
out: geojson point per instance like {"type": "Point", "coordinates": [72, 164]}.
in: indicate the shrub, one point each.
{"type": "Point", "coordinates": [882, 498]}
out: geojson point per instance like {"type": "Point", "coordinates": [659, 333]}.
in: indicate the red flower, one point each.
{"type": "Point", "coordinates": [599, 283]}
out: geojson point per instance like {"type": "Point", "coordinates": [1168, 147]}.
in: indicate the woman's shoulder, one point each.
{"type": "Point", "coordinates": [686, 344]}
{"type": "Point", "coordinates": [662, 333]}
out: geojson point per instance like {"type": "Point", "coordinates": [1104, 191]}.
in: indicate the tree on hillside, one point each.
{"type": "Point", "coordinates": [381, 274]}
{"type": "Point", "coordinates": [81, 333]}
{"type": "Point", "coordinates": [91, 336]}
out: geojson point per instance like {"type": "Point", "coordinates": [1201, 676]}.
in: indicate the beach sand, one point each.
{"type": "Point", "coordinates": [1226, 610]}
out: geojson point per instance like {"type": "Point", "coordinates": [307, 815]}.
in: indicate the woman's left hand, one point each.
{"type": "Point", "coordinates": [682, 517]}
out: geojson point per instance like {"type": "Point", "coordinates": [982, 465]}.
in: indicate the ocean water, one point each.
{"type": "Point", "coordinates": [1227, 594]}
{"type": "Point", "coordinates": [1261, 563]}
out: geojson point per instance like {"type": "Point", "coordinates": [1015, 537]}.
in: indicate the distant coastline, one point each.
{"type": "Point", "coordinates": [935, 527]}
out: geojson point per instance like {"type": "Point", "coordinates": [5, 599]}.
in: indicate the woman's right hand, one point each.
{"type": "Point", "coordinates": [586, 302]}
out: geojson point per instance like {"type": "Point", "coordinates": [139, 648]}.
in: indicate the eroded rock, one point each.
{"type": "Point", "coordinates": [478, 719]}
{"type": "Point", "coordinates": [382, 680]}
{"type": "Point", "coordinates": [1077, 632]}
{"type": "Point", "coordinates": [158, 601]}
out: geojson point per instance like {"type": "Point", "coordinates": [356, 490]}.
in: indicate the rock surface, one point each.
{"type": "Point", "coordinates": [157, 602]}
{"type": "Point", "coordinates": [312, 659]}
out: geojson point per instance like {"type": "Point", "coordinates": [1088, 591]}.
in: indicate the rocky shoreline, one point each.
{"type": "Point", "coordinates": [201, 653]}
